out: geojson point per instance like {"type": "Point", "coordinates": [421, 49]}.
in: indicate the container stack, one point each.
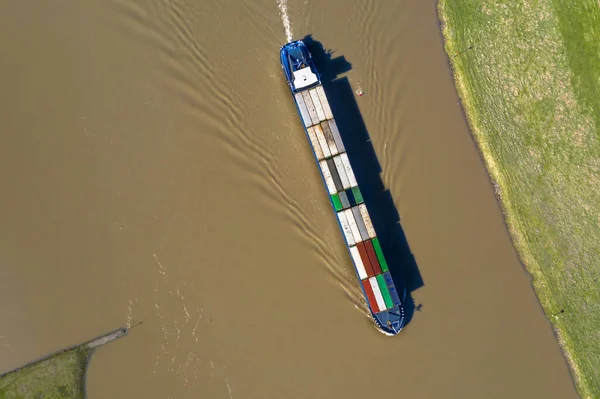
{"type": "Point", "coordinates": [347, 199]}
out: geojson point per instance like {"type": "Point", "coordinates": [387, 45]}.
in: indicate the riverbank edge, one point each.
{"type": "Point", "coordinates": [84, 350]}
{"type": "Point", "coordinates": [511, 221]}
{"type": "Point", "coordinates": [87, 346]}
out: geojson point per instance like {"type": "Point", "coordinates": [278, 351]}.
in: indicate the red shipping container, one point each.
{"type": "Point", "coordinates": [370, 295]}
{"type": "Point", "coordinates": [365, 258]}
{"type": "Point", "coordinates": [372, 257]}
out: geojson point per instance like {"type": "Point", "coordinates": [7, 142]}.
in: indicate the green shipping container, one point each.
{"type": "Point", "coordinates": [337, 203]}
{"type": "Point", "coordinates": [379, 253]}
{"type": "Point", "coordinates": [384, 291]}
{"type": "Point", "coordinates": [357, 195]}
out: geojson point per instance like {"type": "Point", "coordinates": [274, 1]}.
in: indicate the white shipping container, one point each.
{"type": "Point", "coordinates": [328, 179]}
{"type": "Point", "coordinates": [377, 292]}
{"type": "Point", "coordinates": [336, 136]}
{"type": "Point", "coordinates": [367, 219]}
{"type": "Point", "coordinates": [346, 228]}
{"type": "Point", "coordinates": [353, 225]}
{"type": "Point", "coordinates": [324, 102]}
{"type": "Point", "coordinates": [303, 111]}
{"type": "Point", "coordinates": [315, 143]}
{"type": "Point", "coordinates": [329, 138]}
{"type": "Point", "coordinates": [311, 108]}
{"type": "Point", "coordinates": [349, 171]}
{"type": "Point", "coordinates": [360, 267]}
{"type": "Point", "coordinates": [322, 141]}
{"type": "Point", "coordinates": [317, 103]}
{"type": "Point", "coordinates": [342, 172]}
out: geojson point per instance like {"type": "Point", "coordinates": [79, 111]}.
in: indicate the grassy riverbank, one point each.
{"type": "Point", "coordinates": [530, 86]}
{"type": "Point", "coordinates": [58, 377]}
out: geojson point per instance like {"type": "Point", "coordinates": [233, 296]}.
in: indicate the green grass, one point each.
{"type": "Point", "coordinates": [530, 87]}
{"type": "Point", "coordinates": [60, 376]}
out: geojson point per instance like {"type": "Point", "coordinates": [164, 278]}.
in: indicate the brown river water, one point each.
{"type": "Point", "coordinates": [154, 169]}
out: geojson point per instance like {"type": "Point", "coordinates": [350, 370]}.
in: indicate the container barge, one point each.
{"type": "Point", "coordinates": [385, 303]}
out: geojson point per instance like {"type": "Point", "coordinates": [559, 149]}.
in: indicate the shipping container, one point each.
{"type": "Point", "coordinates": [377, 293]}
{"type": "Point", "coordinates": [327, 176]}
{"type": "Point", "coordinates": [379, 253]}
{"type": "Point", "coordinates": [317, 103]}
{"type": "Point", "coordinates": [357, 195]}
{"type": "Point", "coordinates": [337, 204]}
{"type": "Point", "coordinates": [334, 175]}
{"type": "Point", "coordinates": [310, 107]}
{"type": "Point", "coordinates": [303, 111]}
{"type": "Point", "coordinates": [349, 171]}
{"type": "Point", "coordinates": [372, 257]}
{"type": "Point", "coordinates": [346, 228]}
{"type": "Point", "coordinates": [322, 141]}
{"type": "Point", "coordinates": [353, 225]}
{"type": "Point", "coordinates": [341, 171]}
{"type": "Point", "coordinates": [315, 143]}
{"type": "Point", "coordinates": [324, 102]}
{"type": "Point", "coordinates": [362, 273]}
{"type": "Point", "coordinates": [329, 138]}
{"type": "Point", "coordinates": [391, 288]}
{"type": "Point", "coordinates": [384, 291]}
{"type": "Point", "coordinates": [361, 225]}
{"type": "Point", "coordinates": [344, 200]}
{"type": "Point", "coordinates": [350, 197]}
{"type": "Point", "coordinates": [365, 258]}
{"type": "Point", "coordinates": [336, 135]}
{"type": "Point", "coordinates": [370, 295]}
{"type": "Point", "coordinates": [367, 219]}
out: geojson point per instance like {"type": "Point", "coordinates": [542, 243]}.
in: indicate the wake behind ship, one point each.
{"type": "Point", "coordinates": [344, 194]}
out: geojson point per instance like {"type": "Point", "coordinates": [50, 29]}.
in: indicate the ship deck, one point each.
{"type": "Point", "coordinates": [352, 213]}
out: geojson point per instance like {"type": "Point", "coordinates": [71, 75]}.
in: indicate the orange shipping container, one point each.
{"type": "Point", "coordinates": [370, 295]}
{"type": "Point", "coordinates": [365, 258]}
{"type": "Point", "coordinates": [372, 257]}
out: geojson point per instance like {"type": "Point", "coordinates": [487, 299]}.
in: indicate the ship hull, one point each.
{"type": "Point", "coordinates": [370, 265]}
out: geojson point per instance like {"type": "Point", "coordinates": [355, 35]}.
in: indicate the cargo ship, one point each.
{"type": "Point", "coordinates": [383, 299]}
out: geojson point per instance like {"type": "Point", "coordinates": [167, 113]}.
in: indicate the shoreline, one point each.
{"type": "Point", "coordinates": [511, 222]}
{"type": "Point", "coordinates": [90, 345]}
{"type": "Point", "coordinates": [64, 371]}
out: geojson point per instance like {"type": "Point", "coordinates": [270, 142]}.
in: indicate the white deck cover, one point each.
{"type": "Point", "coordinates": [304, 77]}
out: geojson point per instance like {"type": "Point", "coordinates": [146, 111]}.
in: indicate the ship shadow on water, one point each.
{"type": "Point", "coordinates": [384, 215]}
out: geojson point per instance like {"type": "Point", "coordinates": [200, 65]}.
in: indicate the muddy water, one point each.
{"type": "Point", "coordinates": [153, 169]}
